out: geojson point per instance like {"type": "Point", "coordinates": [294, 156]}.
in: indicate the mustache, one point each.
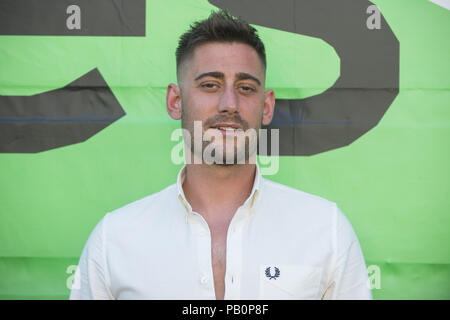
{"type": "Point", "coordinates": [234, 119]}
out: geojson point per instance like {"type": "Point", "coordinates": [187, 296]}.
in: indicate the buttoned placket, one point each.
{"type": "Point", "coordinates": [235, 234]}
{"type": "Point", "coordinates": [200, 230]}
{"type": "Point", "coordinates": [202, 234]}
{"type": "Point", "coordinates": [233, 268]}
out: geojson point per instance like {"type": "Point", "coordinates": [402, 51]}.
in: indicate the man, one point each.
{"type": "Point", "coordinates": [222, 231]}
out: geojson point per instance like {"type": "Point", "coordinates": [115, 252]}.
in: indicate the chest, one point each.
{"type": "Point", "coordinates": [218, 257]}
{"type": "Point", "coordinates": [182, 269]}
{"type": "Point", "coordinates": [218, 250]}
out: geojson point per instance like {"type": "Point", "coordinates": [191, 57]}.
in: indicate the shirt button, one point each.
{"type": "Point", "coordinates": [204, 280]}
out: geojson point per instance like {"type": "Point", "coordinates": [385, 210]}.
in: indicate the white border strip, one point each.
{"type": "Point", "coordinates": [443, 3]}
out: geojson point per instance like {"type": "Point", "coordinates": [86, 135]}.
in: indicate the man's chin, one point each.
{"type": "Point", "coordinates": [221, 158]}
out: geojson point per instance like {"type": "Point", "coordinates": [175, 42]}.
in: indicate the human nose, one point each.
{"type": "Point", "coordinates": [228, 100]}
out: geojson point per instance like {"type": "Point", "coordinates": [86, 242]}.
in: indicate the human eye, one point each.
{"type": "Point", "coordinates": [209, 86]}
{"type": "Point", "coordinates": [247, 89]}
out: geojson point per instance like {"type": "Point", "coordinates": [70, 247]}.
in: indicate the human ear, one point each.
{"type": "Point", "coordinates": [173, 101]}
{"type": "Point", "coordinates": [269, 106]}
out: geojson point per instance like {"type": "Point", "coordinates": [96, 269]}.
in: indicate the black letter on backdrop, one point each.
{"type": "Point", "coordinates": [368, 82]}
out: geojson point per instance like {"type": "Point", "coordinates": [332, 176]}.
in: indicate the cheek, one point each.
{"type": "Point", "coordinates": [199, 107]}
{"type": "Point", "coordinates": [253, 113]}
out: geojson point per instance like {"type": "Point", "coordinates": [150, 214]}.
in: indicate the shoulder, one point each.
{"type": "Point", "coordinates": [295, 207]}
{"type": "Point", "coordinates": [145, 208]}
{"type": "Point", "coordinates": [287, 196]}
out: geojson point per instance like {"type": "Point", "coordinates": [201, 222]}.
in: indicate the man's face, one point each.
{"type": "Point", "coordinates": [222, 85]}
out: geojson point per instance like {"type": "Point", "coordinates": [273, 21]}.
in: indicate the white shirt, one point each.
{"type": "Point", "coordinates": [282, 243]}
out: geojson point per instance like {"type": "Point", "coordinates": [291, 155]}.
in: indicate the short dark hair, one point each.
{"type": "Point", "coordinates": [220, 26]}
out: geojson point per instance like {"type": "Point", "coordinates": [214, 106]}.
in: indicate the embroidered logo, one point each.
{"type": "Point", "coordinates": [270, 276]}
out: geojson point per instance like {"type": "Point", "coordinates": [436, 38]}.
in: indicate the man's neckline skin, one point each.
{"type": "Point", "coordinates": [217, 191]}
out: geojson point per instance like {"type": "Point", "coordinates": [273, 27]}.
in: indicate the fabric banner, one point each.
{"type": "Point", "coordinates": [362, 107]}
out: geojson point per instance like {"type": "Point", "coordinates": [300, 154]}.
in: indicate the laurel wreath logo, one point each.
{"type": "Point", "coordinates": [270, 276]}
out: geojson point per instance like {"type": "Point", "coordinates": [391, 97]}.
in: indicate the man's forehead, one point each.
{"type": "Point", "coordinates": [229, 58]}
{"type": "Point", "coordinates": [221, 76]}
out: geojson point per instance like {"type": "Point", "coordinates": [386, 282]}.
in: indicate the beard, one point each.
{"type": "Point", "coordinates": [225, 150]}
{"type": "Point", "coordinates": [231, 150]}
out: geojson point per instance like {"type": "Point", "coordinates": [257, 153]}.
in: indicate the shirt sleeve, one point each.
{"type": "Point", "coordinates": [349, 278]}
{"type": "Point", "coordinates": [91, 280]}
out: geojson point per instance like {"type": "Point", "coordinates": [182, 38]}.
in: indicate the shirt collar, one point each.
{"type": "Point", "coordinates": [250, 202]}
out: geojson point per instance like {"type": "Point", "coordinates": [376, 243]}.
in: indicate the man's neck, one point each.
{"type": "Point", "coordinates": [217, 191]}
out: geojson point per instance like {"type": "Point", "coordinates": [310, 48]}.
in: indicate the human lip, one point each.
{"type": "Point", "coordinates": [227, 128]}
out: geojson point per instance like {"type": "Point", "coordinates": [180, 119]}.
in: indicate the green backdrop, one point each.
{"type": "Point", "coordinates": [392, 183]}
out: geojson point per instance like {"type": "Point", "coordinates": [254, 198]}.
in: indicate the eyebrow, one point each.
{"type": "Point", "coordinates": [220, 75]}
